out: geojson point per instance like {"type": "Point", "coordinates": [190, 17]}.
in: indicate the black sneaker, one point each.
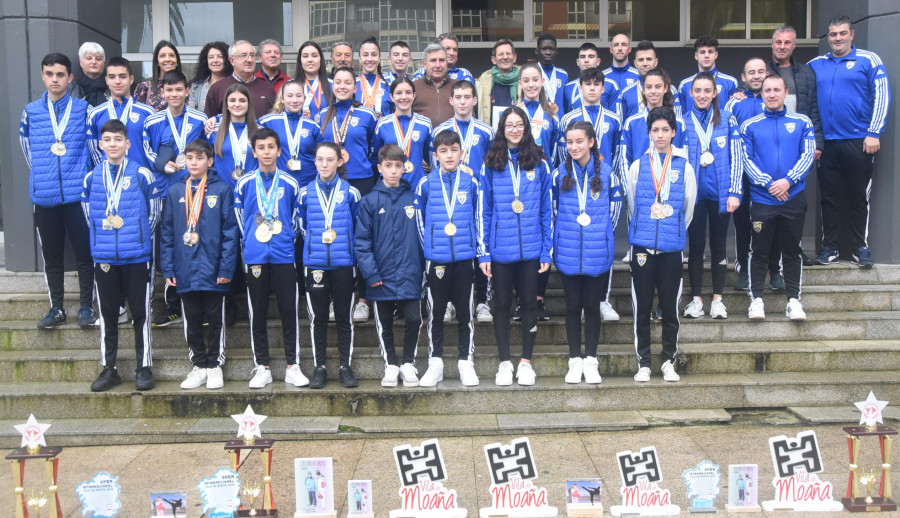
{"type": "Point", "coordinates": [230, 313]}
{"type": "Point", "coordinates": [86, 317]}
{"type": "Point", "coordinates": [144, 379]}
{"type": "Point", "coordinates": [862, 257]}
{"type": "Point", "coordinates": [542, 314]}
{"type": "Point", "coordinates": [807, 260]}
{"type": "Point", "coordinates": [776, 281]}
{"type": "Point", "coordinates": [169, 317]}
{"type": "Point", "coordinates": [827, 256]}
{"type": "Point", "coordinates": [517, 316]}
{"type": "Point", "coordinates": [319, 378]}
{"type": "Point", "coordinates": [743, 282]}
{"type": "Point", "coordinates": [55, 317]}
{"type": "Point", "coordinates": [348, 380]}
{"type": "Point", "coordinates": [108, 378]}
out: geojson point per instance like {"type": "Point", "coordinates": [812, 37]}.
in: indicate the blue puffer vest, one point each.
{"type": "Point", "coordinates": [131, 243]}
{"type": "Point", "coordinates": [440, 247]}
{"type": "Point", "coordinates": [516, 237]}
{"type": "Point", "coordinates": [55, 180]}
{"type": "Point", "coordinates": [716, 177]}
{"type": "Point", "coordinates": [328, 256]}
{"type": "Point", "coordinates": [667, 234]}
{"type": "Point", "coordinates": [584, 250]}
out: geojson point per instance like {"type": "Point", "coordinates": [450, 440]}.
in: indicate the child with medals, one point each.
{"type": "Point", "coordinates": [410, 131]}
{"type": "Point", "coordinates": [328, 207]}
{"type": "Point", "coordinates": [198, 253]}
{"type": "Point", "coordinates": [542, 117]}
{"type": "Point", "coordinates": [231, 138]}
{"type": "Point", "coordinates": [661, 189]}
{"type": "Point", "coordinates": [371, 88]}
{"type": "Point", "coordinates": [312, 74]}
{"type": "Point", "coordinates": [584, 190]}
{"type": "Point", "coordinates": [267, 203]}
{"type": "Point", "coordinates": [716, 154]}
{"type": "Point", "coordinates": [448, 207]}
{"type": "Point", "coordinates": [122, 206]}
{"type": "Point", "coordinates": [517, 190]}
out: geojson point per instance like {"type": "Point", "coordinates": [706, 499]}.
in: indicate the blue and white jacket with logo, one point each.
{"type": "Point", "coordinates": [457, 73]}
{"type": "Point", "coordinates": [548, 135]}
{"type": "Point", "coordinates": [482, 135]}
{"type": "Point", "coordinates": [607, 138]}
{"type": "Point", "coordinates": [432, 218]}
{"type": "Point", "coordinates": [854, 94]}
{"type": "Point", "coordinates": [158, 133]}
{"type": "Point", "coordinates": [224, 164]}
{"type": "Point", "coordinates": [726, 85]}
{"type": "Point", "coordinates": [748, 107]}
{"type": "Point", "coordinates": [420, 141]}
{"type": "Point", "coordinates": [339, 253]}
{"type": "Point", "coordinates": [383, 103]}
{"type": "Point", "coordinates": [629, 102]}
{"type": "Point", "coordinates": [359, 138]}
{"type": "Point", "coordinates": [310, 136]}
{"type": "Point", "coordinates": [555, 79]}
{"type": "Point", "coordinates": [635, 140]}
{"type": "Point", "coordinates": [777, 145]}
{"type": "Point", "coordinates": [280, 249]}
{"type": "Point", "coordinates": [572, 96]}
{"type": "Point", "coordinates": [623, 77]}
{"type": "Point", "coordinates": [722, 178]}
{"type": "Point", "coordinates": [135, 124]}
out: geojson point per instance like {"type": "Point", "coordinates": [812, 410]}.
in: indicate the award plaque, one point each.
{"type": "Point", "coordinates": [248, 429]}
{"type": "Point", "coordinates": [641, 495]}
{"type": "Point", "coordinates": [869, 500]}
{"type": "Point", "coordinates": [513, 493]}
{"type": "Point", "coordinates": [702, 486]}
{"type": "Point", "coordinates": [220, 494]}
{"type": "Point", "coordinates": [584, 497]}
{"type": "Point", "coordinates": [422, 476]}
{"type": "Point", "coordinates": [314, 486]}
{"type": "Point", "coordinates": [100, 496]}
{"type": "Point", "coordinates": [359, 499]}
{"type": "Point", "coordinates": [797, 462]}
{"type": "Point", "coordinates": [743, 487]}
{"type": "Point", "coordinates": [34, 446]}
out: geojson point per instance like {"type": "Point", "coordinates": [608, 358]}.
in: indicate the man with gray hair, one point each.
{"type": "Point", "coordinates": [89, 83]}
{"type": "Point", "coordinates": [242, 55]}
{"type": "Point", "coordinates": [341, 55]}
{"type": "Point", "coordinates": [433, 89]}
{"type": "Point", "coordinates": [270, 65]}
{"type": "Point", "coordinates": [450, 42]}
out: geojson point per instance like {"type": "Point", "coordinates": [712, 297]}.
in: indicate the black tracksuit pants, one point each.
{"type": "Point", "coordinates": [845, 180]}
{"type": "Point", "coordinates": [384, 324]}
{"type": "Point", "coordinates": [659, 273]}
{"type": "Point", "coordinates": [783, 223]}
{"type": "Point", "coordinates": [198, 307]}
{"type": "Point", "coordinates": [323, 287]}
{"type": "Point", "coordinates": [53, 224]}
{"type": "Point", "coordinates": [742, 234]}
{"type": "Point", "coordinates": [450, 282]}
{"type": "Point", "coordinates": [584, 293]}
{"type": "Point", "coordinates": [262, 279]}
{"type": "Point", "coordinates": [134, 281]}
{"type": "Point", "coordinates": [523, 275]}
{"type": "Point", "coordinates": [708, 210]}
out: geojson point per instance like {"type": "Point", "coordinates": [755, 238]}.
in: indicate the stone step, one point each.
{"type": "Point", "coordinates": [60, 400]}
{"type": "Point", "coordinates": [25, 306]}
{"type": "Point", "coordinates": [82, 365]}
{"type": "Point", "coordinates": [843, 325]}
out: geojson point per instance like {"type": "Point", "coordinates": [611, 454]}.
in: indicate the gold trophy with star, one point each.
{"type": "Point", "coordinates": [251, 439]}
{"type": "Point", "coordinates": [871, 424]}
{"type": "Point", "coordinates": [34, 447]}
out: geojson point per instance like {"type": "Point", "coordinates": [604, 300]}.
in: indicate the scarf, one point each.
{"type": "Point", "coordinates": [509, 79]}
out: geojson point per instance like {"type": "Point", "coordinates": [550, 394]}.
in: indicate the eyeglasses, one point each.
{"type": "Point", "coordinates": [250, 55]}
{"type": "Point", "coordinates": [514, 127]}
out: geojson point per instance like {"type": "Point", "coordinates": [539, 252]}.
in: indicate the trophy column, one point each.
{"type": "Point", "coordinates": [18, 458]}
{"type": "Point", "coordinates": [862, 502]}
{"type": "Point", "coordinates": [265, 450]}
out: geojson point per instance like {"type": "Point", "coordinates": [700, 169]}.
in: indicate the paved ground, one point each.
{"type": "Point", "coordinates": [145, 468]}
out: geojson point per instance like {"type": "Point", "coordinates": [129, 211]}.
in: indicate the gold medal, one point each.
{"type": "Point", "coordinates": [117, 221]}
{"type": "Point", "coordinates": [583, 219]}
{"type": "Point", "coordinates": [237, 174]}
{"type": "Point", "coordinates": [450, 229]}
{"type": "Point", "coordinates": [263, 233]}
{"type": "Point", "coordinates": [58, 149]}
{"type": "Point", "coordinates": [181, 160]}
{"type": "Point", "coordinates": [187, 238]}
{"type": "Point", "coordinates": [195, 238]}
{"type": "Point", "coordinates": [517, 206]}
{"type": "Point", "coordinates": [293, 164]}
{"type": "Point", "coordinates": [109, 219]}
{"type": "Point", "coordinates": [329, 236]}
{"type": "Point", "coordinates": [408, 167]}
{"type": "Point", "coordinates": [276, 227]}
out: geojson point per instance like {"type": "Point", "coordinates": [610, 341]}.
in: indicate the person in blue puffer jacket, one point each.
{"type": "Point", "coordinates": [586, 199]}
{"type": "Point", "coordinates": [660, 189]}
{"type": "Point", "coordinates": [121, 205]}
{"type": "Point", "coordinates": [390, 260]}
{"type": "Point", "coordinates": [517, 221]}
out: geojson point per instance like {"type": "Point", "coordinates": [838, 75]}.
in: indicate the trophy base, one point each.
{"type": "Point", "coordinates": [859, 505]}
{"type": "Point", "coordinates": [584, 510]}
{"type": "Point", "coordinates": [743, 508]}
{"type": "Point", "coordinates": [261, 513]}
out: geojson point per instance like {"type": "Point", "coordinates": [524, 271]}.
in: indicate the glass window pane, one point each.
{"type": "Point", "coordinates": [197, 22]}
{"type": "Point", "coordinates": [137, 26]}
{"type": "Point", "coordinates": [566, 19]}
{"type": "Point", "coordinates": [725, 19]}
{"type": "Point", "coordinates": [655, 20]}
{"type": "Point", "coordinates": [388, 20]}
{"type": "Point", "coordinates": [768, 15]}
{"type": "Point", "coordinates": [491, 20]}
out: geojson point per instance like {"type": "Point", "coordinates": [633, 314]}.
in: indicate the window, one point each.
{"type": "Point", "coordinates": [197, 22]}
{"type": "Point", "coordinates": [137, 26]}
{"type": "Point", "coordinates": [567, 19]}
{"type": "Point", "coordinates": [655, 20]}
{"type": "Point", "coordinates": [389, 20]}
{"type": "Point", "coordinates": [491, 20]}
{"type": "Point", "coordinates": [768, 15]}
{"type": "Point", "coordinates": [727, 19]}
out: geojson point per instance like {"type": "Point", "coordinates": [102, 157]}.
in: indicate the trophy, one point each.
{"type": "Point", "coordinates": [248, 431]}
{"type": "Point", "coordinates": [35, 504]}
{"type": "Point", "coordinates": [251, 492]}
{"type": "Point", "coordinates": [34, 446]}
{"type": "Point", "coordinates": [870, 410]}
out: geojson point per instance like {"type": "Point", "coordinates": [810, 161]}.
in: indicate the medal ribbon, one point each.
{"type": "Point", "coordinates": [111, 110]}
{"type": "Point", "coordinates": [193, 202]}
{"type": "Point", "coordinates": [59, 127]}
{"type": "Point", "coordinates": [537, 120]}
{"type": "Point", "coordinates": [113, 187]}
{"type": "Point", "coordinates": [704, 135]}
{"type": "Point", "coordinates": [550, 84]}
{"type": "Point", "coordinates": [267, 206]}
{"type": "Point", "coordinates": [179, 136]}
{"type": "Point", "coordinates": [341, 135]}
{"type": "Point", "coordinates": [660, 173]}
{"type": "Point", "coordinates": [403, 140]}
{"type": "Point", "coordinates": [598, 126]}
{"type": "Point", "coordinates": [370, 93]}
{"type": "Point", "coordinates": [581, 191]}
{"type": "Point", "coordinates": [450, 204]}
{"type": "Point", "coordinates": [238, 146]}
{"type": "Point", "coordinates": [313, 93]}
{"type": "Point", "coordinates": [328, 205]}
{"type": "Point", "coordinates": [293, 137]}
{"type": "Point", "coordinates": [515, 173]}
{"type": "Point", "coordinates": [467, 141]}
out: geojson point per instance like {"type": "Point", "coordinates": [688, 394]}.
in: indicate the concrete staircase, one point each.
{"type": "Point", "coordinates": [814, 370]}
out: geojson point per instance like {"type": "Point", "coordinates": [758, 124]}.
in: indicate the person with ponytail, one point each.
{"type": "Point", "coordinates": [371, 88]}
{"type": "Point", "coordinates": [541, 113]}
{"type": "Point", "coordinates": [586, 196]}
{"type": "Point", "coordinates": [410, 131]}
{"type": "Point", "coordinates": [517, 223]}
{"type": "Point", "coordinates": [715, 151]}
{"type": "Point", "coordinates": [231, 138]}
{"type": "Point", "coordinates": [312, 73]}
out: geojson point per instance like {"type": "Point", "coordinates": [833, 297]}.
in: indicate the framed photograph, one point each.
{"type": "Point", "coordinates": [314, 486]}
{"type": "Point", "coordinates": [587, 491]}
{"type": "Point", "coordinates": [359, 498]}
{"type": "Point", "coordinates": [743, 485]}
{"type": "Point", "coordinates": [168, 503]}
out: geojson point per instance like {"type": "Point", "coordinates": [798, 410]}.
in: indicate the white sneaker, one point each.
{"type": "Point", "coordinates": [575, 370]}
{"type": "Point", "coordinates": [434, 374]}
{"type": "Point", "coordinates": [195, 378]}
{"type": "Point", "coordinates": [607, 312]}
{"type": "Point", "coordinates": [467, 375]}
{"type": "Point", "coordinates": [717, 309]}
{"type": "Point", "coordinates": [361, 312]}
{"type": "Point", "coordinates": [261, 377]}
{"type": "Point", "coordinates": [591, 368]}
{"type": "Point", "coordinates": [694, 309]}
{"type": "Point", "coordinates": [668, 371]}
{"type": "Point", "coordinates": [391, 372]}
{"type": "Point", "coordinates": [643, 375]}
{"type": "Point", "coordinates": [794, 310]}
{"type": "Point", "coordinates": [409, 375]}
{"type": "Point", "coordinates": [525, 374]}
{"type": "Point", "coordinates": [331, 311]}
{"type": "Point", "coordinates": [214, 378]}
{"type": "Point", "coordinates": [757, 309]}
{"type": "Point", "coordinates": [504, 375]}
{"type": "Point", "coordinates": [450, 313]}
{"type": "Point", "coordinates": [294, 376]}
{"type": "Point", "coordinates": [483, 313]}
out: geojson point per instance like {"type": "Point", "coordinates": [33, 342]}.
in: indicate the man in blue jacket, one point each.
{"type": "Point", "coordinates": [390, 259]}
{"type": "Point", "coordinates": [779, 147]}
{"type": "Point", "coordinates": [853, 94]}
{"type": "Point", "coordinates": [53, 134]}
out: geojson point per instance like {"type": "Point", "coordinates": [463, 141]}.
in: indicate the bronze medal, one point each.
{"type": "Point", "coordinates": [237, 174]}
{"type": "Point", "coordinates": [656, 210]}
{"type": "Point", "coordinates": [583, 219]}
{"type": "Point", "coordinates": [517, 206]}
{"type": "Point", "coordinates": [345, 156]}
{"type": "Point", "coordinates": [450, 229]}
{"type": "Point", "coordinates": [408, 167]}
{"type": "Point", "coordinates": [187, 238]}
{"type": "Point", "coordinates": [195, 238]}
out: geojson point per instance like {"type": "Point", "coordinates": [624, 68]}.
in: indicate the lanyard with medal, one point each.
{"type": "Point", "coordinates": [328, 205]}
{"type": "Point", "coordinates": [598, 126]}
{"type": "Point", "coordinates": [583, 218]}
{"type": "Point", "coordinates": [113, 190]}
{"type": "Point", "coordinates": [180, 137]}
{"type": "Point", "coordinates": [404, 140]}
{"type": "Point", "coordinates": [704, 135]}
{"type": "Point", "coordinates": [293, 138]}
{"type": "Point", "coordinates": [371, 94]}
{"type": "Point", "coordinates": [111, 110]}
{"type": "Point", "coordinates": [550, 86]}
{"type": "Point", "coordinates": [58, 148]}
{"type": "Point", "coordinates": [516, 174]}
{"type": "Point", "coordinates": [238, 151]}
{"type": "Point", "coordinates": [450, 204]}
{"type": "Point", "coordinates": [193, 204]}
{"type": "Point", "coordinates": [537, 121]}
{"type": "Point", "coordinates": [341, 135]}
{"type": "Point", "coordinates": [313, 93]}
{"type": "Point", "coordinates": [267, 222]}
{"type": "Point", "coordinates": [660, 171]}
{"type": "Point", "coordinates": [466, 141]}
